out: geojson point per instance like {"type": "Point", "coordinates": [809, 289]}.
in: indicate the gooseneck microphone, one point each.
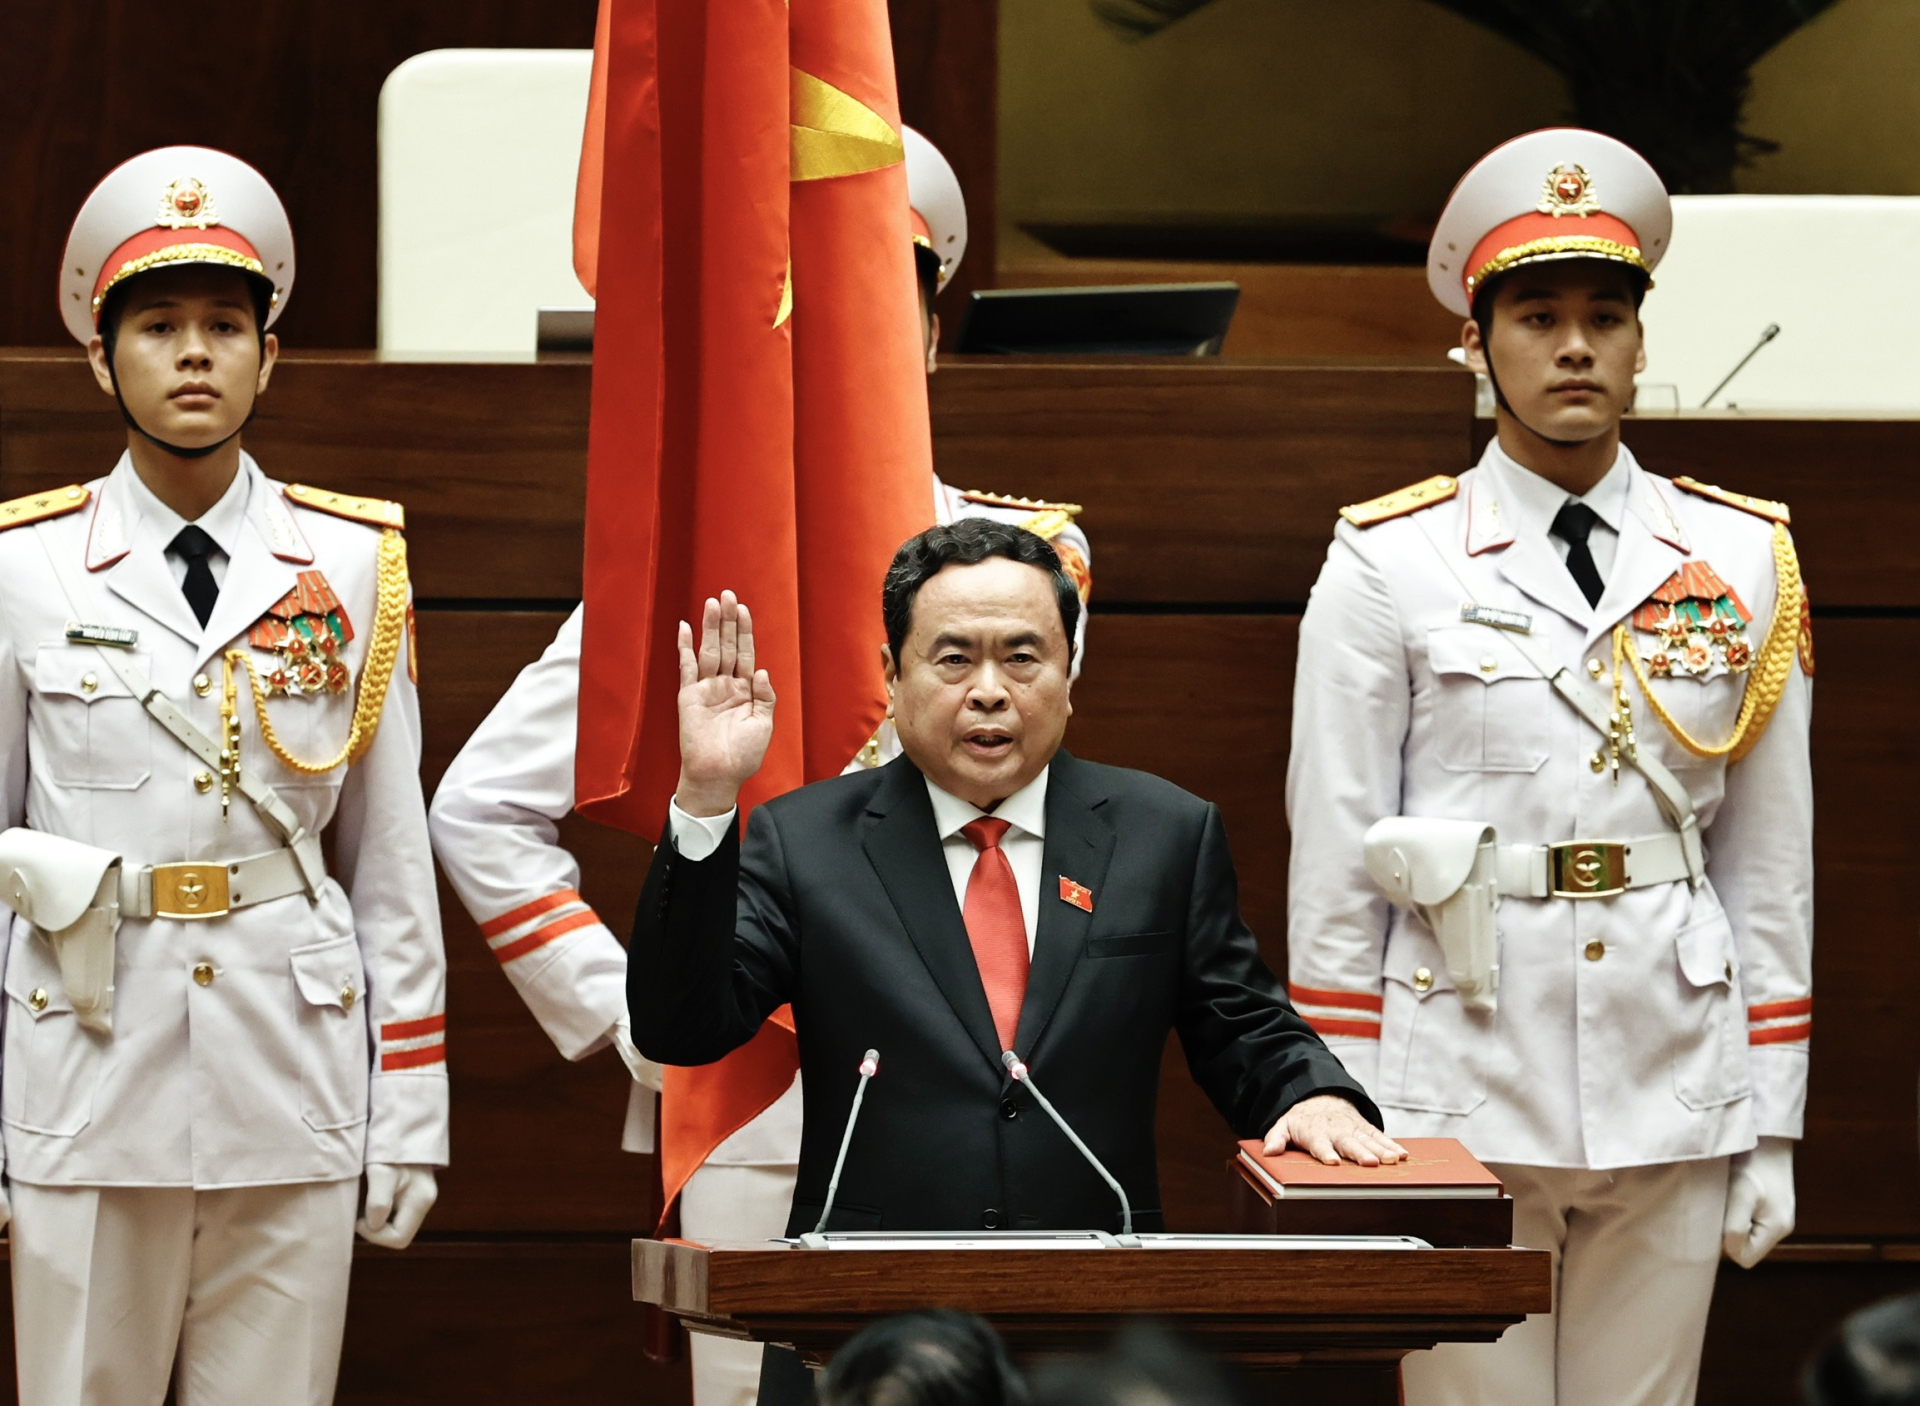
{"type": "Point", "coordinates": [869, 1066]}
{"type": "Point", "coordinates": [1773, 330]}
{"type": "Point", "coordinates": [1021, 1075]}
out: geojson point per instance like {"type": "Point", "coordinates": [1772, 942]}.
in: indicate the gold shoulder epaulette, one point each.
{"type": "Point", "coordinates": [1007, 500]}
{"type": "Point", "coordinates": [1047, 519]}
{"type": "Point", "coordinates": [375, 512]}
{"type": "Point", "coordinates": [38, 507]}
{"type": "Point", "coordinates": [1759, 507]}
{"type": "Point", "coordinates": [1400, 502]}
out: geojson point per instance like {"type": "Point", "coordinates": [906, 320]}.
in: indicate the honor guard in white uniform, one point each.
{"type": "Point", "coordinates": [1551, 881]}
{"type": "Point", "coordinates": [495, 826]}
{"type": "Point", "coordinates": [212, 1027]}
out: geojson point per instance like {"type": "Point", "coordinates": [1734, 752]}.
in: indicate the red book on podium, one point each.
{"type": "Point", "coordinates": [1440, 1194]}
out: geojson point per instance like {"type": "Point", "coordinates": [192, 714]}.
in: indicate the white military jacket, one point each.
{"type": "Point", "coordinates": [495, 823]}
{"type": "Point", "coordinates": [290, 1041]}
{"type": "Point", "coordinates": [1662, 1024]}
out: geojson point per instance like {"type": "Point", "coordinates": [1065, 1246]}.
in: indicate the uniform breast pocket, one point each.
{"type": "Point", "coordinates": [1491, 706]}
{"type": "Point", "coordinates": [90, 731]}
{"type": "Point", "coordinates": [1705, 709]}
{"type": "Point", "coordinates": [309, 728]}
{"type": "Point", "coordinates": [330, 981]}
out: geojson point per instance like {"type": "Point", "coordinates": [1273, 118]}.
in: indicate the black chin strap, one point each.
{"type": "Point", "coordinates": [178, 451]}
{"type": "Point", "coordinates": [1500, 399]}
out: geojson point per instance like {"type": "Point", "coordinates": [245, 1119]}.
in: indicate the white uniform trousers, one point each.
{"type": "Point", "coordinates": [238, 1294]}
{"type": "Point", "coordinates": [1635, 1252]}
{"type": "Point", "coordinates": [732, 1203]}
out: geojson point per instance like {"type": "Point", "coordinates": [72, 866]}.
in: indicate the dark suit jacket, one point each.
{"type": "Point", "coordinates": [840, 902]}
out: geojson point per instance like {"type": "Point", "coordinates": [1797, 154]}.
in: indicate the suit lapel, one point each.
{"type": "Point", "coordinates": [131, 564]}
{"type": "Point", "coordinates": [902, 843]}
{"type": "Point", "coordinates": [1647, 555]}
{"type": "Point", "coordinates": [1079, 846]}
{"type": "Point", "coordinates": [1535, 567]}
{"type": "Point", "coordinates": [256, 580]}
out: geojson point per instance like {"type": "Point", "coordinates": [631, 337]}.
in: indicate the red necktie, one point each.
{"type": "Point", "coordinates": [996, 927]}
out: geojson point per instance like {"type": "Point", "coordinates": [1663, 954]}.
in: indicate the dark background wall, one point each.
{"type": "Point", "coordinates": [293, 87]}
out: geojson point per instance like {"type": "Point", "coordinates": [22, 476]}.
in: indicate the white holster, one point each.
{"type": "Point", "coordinates": [1448, 873]}
{"type": "Point", "coordinates": [71, 893]}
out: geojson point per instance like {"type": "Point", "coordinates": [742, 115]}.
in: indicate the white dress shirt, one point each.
{"type": "Point", "coordinates": [1536, 501]}
{"type": "Point", "coordinates": [1025, 843]}
{"type": "Point", "coordinates": [223, 522]}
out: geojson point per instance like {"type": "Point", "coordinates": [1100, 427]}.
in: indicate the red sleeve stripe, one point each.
{"type": "Point", "coordinates": [1333, 1025]}
{"type": "Point", "coordinates": [541, 936]}
{"type": "Point", "coordinates": [414, 1029]}
{"type": "Point", "coordinates": [1780, 1010]}
{"type": "Point", "coordinates": [413, 1059]}
{"type": "Point", "coordinates": [1780, 1034]}
{"type": "Point", "coordinates": [1345, 1000]}
{"type": "Point", "coordinates": [493, 927]}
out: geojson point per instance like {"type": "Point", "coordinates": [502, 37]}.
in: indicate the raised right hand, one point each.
{"type": "Point", "coordinates": [726, 709]}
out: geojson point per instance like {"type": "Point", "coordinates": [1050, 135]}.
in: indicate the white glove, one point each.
{"type": "Point", "coordinates": [644, 1070]}
{"type": "Point", "coordinates": [398, 1199]}
{"type": "Point", "coordinates": [1759, 1201]}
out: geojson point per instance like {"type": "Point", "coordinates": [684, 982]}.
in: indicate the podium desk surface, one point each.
{"type": "Point", "coordinates": [1258, 1307]}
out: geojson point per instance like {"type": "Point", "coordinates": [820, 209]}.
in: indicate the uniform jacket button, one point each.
{"type": "Point", "coordinates": [1596, 950]}
{"type": "Point", "coordinates": [37, 1001]}
{"type": "Point", "coordinates": [202, 685]}
{"type": "Point", "coordinates": [990, 1219]}
{"type": "Point", "coordinates": [1007, 1109]}
{"type": "Point", "coordinates": [1422, 979]}
{"type": "Point", "coordinates": [203, 973]}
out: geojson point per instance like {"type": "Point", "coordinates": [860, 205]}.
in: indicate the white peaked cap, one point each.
{"type": "Point", "coordinates": [933, 191]}
{"type": "Point", "coordinates": [172, 206]}
{"type": "Point", "coordinates": [1561, 193]}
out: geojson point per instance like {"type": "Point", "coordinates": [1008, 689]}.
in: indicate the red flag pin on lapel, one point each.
{"type": "Point", "coordinates": [1079, 895]}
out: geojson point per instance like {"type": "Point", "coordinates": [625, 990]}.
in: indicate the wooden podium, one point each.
{"type": "Point", "coordinates": [1324, 1310]}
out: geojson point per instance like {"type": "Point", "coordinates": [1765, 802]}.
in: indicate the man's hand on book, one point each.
{"type": "Point", "coordinates": [1328, 1128]}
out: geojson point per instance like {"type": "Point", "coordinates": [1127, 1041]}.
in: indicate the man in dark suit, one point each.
{"type": "Point", "coordinates": [986, 892]}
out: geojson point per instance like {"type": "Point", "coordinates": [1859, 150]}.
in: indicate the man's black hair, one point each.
{"type": "Point", "coordinates": [1872, 1359]}
{"type": "Point", "coordinates": [934, 1358]}
{"type": "Point", "coordinates": [1482, 309]}
{"type": "Point", "coordinates": [965, 543]}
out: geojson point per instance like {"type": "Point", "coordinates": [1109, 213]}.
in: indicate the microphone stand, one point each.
{"type": "Point", "coordinates": [815, 1239]}
{"type": "Point", "coordinates": [1019, 1073]}
{"type": "Point", "coordinates": [1773, 330]}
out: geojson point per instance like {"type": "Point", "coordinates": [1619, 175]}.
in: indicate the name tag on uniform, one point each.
{"type": "Point", "coordinates": [1518, 621]}
{"type": "Point", "coordinates": [111, 635]}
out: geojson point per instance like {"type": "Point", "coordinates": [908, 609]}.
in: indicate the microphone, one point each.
{"type": "Point", "coordinates": [869, 1066]}
{"type": "Point", "coordinates": [1020, 1075]}
{"type": "Point", "coordinates": [1773, 330]}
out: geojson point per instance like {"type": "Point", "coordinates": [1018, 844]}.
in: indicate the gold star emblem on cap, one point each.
{"type": "Point", "coordinates": [187, 204]}
{"type": "Point", "coordinates": [1569, 191]}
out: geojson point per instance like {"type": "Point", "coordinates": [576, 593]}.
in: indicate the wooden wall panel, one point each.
{"type": "Point", "coordinates": [946, 54]}
{"type": "Point", "coordinates": [293, 87]}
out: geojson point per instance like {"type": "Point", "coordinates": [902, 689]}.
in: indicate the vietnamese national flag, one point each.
{"type": "Point", "coordinates": [759, 410]}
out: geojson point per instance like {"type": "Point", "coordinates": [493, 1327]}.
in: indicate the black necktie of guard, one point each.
{"type": "Point", "coordinates": [1571, 525]}
{"type": "Point", "coordinates": [200, 588]}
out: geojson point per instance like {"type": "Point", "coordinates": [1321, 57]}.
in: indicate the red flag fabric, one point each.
{"type": "Point", "coordinates": [759, 413]}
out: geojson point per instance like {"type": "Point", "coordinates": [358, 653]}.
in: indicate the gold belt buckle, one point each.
{"type": "Point", "coordinates": [1586, 869]}
{"type": "Point", "coordinates": [189, 892]}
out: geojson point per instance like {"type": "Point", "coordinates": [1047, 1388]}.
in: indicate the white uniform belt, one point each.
{"type": "Point", "coordinates": [1591, 868]}
{"type": "Point", "coordinates": [208, 889]}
